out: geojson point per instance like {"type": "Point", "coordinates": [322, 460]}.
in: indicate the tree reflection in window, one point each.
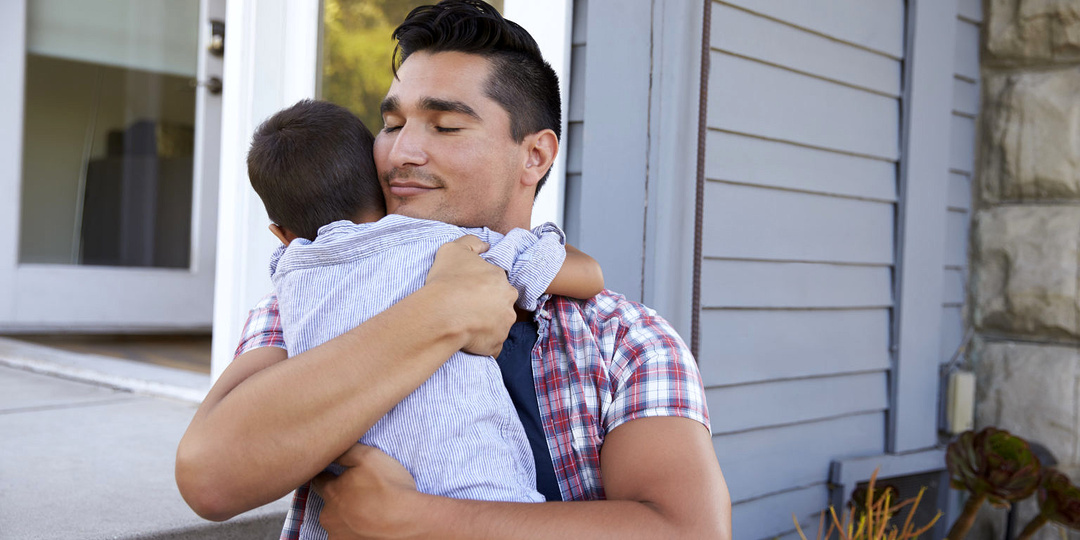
{"type": "Point", "coordinates": [356, 52]}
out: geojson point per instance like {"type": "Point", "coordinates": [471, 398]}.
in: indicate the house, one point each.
{"type": "Point", "coordinates": [803, 174]}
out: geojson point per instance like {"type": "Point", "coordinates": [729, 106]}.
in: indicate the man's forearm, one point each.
{"type": "Point", "coordinates": [453, 519]}
{"type": "Point", "coordinates": [273, 430]}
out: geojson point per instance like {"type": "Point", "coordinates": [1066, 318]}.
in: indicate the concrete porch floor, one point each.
{"type": "Point", "coordinates": [88, 450]}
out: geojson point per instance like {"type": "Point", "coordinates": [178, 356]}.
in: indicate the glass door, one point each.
{"type": "Point", "coordinates": [117, 184]}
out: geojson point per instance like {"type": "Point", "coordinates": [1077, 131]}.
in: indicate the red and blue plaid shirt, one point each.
{"type": "Point", "coordinates": [597, 364]}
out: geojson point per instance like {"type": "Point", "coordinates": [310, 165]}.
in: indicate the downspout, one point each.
{"type": "Point", "coordinates": [699, 197]}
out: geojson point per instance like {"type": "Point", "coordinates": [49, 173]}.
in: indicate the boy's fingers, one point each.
{"type": "Point", "coordinates": [474, 244]}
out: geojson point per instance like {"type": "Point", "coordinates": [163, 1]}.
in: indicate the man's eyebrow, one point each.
{"type": "Point", "coordinates": [390, 104]}
{"type": "Point", "coordinates": [446, 105]}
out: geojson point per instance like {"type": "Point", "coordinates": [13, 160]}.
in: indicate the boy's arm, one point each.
{"type": "Point", "coordinates": [580, 276]}
{"type": "Point", "coordinates": [269, 425]}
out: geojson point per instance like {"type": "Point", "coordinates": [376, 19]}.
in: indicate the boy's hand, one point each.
{"type": "Point", "coordinates": [479, 300]}
{"type": "Point", "coordinates": [372, 498]}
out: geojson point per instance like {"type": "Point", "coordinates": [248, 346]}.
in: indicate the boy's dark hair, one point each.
{"type": "Point", "coordinates": [312, 165]}
{"type": "Point", "coordinates": [521, 81]}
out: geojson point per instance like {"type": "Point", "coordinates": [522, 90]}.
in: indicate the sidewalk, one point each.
{"type": "Point", "coordinates": [90, 460]}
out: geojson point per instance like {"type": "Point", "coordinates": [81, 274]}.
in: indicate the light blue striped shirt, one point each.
{"type": "Point", "coordinates": [458, 434]}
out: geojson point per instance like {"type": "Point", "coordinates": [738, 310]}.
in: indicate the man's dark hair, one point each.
{"type": "Point", "coordinates": [521, 81]}
{"type": "Point", "coordinates": [312, 165]}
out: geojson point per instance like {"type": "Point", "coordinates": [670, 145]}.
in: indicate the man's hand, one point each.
{"type": "Point", "coordinates": [371, 499]}
{"type": "Point", "coordinates": [482, 300]}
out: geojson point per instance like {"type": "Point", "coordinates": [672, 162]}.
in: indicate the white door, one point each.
{"type": "Point", "coordinates": [109, 149]}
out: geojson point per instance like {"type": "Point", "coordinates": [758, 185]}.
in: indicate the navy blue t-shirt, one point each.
{"type": "Point", "coordinates": [515, 361]}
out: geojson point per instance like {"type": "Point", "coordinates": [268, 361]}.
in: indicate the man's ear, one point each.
{"type": "Point", "coordinates": [543, 146]}
{"type": "Point", "coordinates": [284, 235]}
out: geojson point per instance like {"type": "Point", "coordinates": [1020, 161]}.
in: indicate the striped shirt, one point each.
{"type": "Point", "coordinates": [472, 443]}
{"type": "Point", "coordinates": [597, 364]}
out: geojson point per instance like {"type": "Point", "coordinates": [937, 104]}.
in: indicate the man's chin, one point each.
{"type": "Point", "coordinates": [418, 213]}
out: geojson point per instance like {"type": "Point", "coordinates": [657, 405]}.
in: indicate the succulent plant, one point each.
{"type": "Point", "coordinates": [1059, 501]}
{"type": "Point", "coordinates": [993, 465]}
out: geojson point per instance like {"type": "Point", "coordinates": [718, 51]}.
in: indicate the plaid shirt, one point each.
{"type": "Point", "coordinates": [597, 364]}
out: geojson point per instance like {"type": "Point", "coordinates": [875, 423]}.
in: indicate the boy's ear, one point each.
{"type": "Point", "coordinates": [282, 234]}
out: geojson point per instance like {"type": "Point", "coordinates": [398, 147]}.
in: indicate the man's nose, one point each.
{"type": "Point", "coordinates": [408, 147]}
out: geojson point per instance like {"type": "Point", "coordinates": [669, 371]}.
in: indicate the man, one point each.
{"type": "Point", "coordinates": [609, 395]}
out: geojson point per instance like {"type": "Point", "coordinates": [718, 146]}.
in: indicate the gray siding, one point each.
{"type": "Point", "coordinates": [802, 211]}
{"type": "Point", "coordinates": [575, 123]}
{"type": "Point", "coordinates": [965, 108]}
{"type": "Point", "coordinates": [800, 219]}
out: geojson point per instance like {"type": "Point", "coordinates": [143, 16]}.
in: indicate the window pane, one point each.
{"type": "Point", "coordinates": [356, 52]}
{"type": "Point", "coordinates": [108, 133]}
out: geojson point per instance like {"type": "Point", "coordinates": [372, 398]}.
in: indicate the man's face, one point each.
{"type": "Point", "coordinates": [445, 152]}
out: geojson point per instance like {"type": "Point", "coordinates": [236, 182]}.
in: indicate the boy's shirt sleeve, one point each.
{"type": "Point", "coordinates": [531, 259]}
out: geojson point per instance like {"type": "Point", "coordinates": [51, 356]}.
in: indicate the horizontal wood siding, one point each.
{"type": "Point", "coordinates": [963, 143]}
{"type": "Point", "coordinates": [955, 281]}
{"type": "Point", "coordinates": [800, 213]}
{"type": "Point", "coordinates": [755, 223]}
{"type": "Point", "coordinates": [965, 96]}
{"type": "Point", "coordinates": [778, 403]}
{"type": "Point", "coordinates": [876, 25]}
{"type": "Point", "coordinates": [769, 41]}
{"type": "Point", "coordinates": [765, 284]}
{"type": "Point", "coordinates": [959, 191]}
{"type": "Point", "coordinates": [778, 459]}
{"type": "Point", "coordinates": [952, 331]}
{"type": "Point", "coordinates": [758, 518]}
{"type": "Point", "coordinates": [967, 48]}
{"type": "Point", "coordinates": [774, 460]}
{"type": "Point", "coordinates": [740, 346]}
{"type": "Point", "coordinates": [966, 89]}
{"type": "Point", "coordinates": [793, 107]}
{"type": "Point", "coordinates": [737, 158]}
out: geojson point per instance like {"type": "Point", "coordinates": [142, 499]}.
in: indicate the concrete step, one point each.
{"type": "Point", "coordinates": [80, 460]}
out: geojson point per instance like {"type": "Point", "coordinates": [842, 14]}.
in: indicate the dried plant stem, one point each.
{"type": "Point", "coordinates": [960, 529]}
{"type": "Point", "coordinates": [1032, 527]}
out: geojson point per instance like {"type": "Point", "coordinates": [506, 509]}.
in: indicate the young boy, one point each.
{"type": "Point", "coordinates": [344, 260]}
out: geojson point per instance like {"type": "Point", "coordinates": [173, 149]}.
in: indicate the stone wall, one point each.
{"type": "Point", "coordinates": [1025, 271]}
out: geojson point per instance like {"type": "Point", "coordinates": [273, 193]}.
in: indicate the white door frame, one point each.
{"type": "Point", "coordinates": [271, 61]}
{"type": "Point", "coordinates": [42, 297]}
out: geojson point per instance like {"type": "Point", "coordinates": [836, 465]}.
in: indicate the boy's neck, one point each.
{"type": "Point", "coordinates": [368, 216]}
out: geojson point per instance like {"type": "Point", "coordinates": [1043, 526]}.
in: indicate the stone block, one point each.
{"type": "Point", "coordinates": [1033, 31]}
{"type": "Point", "coordinates": [1032, 391]}
{"type": "Point", "coordinates": [1024, 281]}
{"type": "Point", "coordinates": [1031, 136]}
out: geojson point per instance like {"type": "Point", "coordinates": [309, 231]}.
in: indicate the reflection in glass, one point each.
{"type": "Point", "coordinates": [108, 133]}
{"type": "Point", "coordinates": [356, 52]}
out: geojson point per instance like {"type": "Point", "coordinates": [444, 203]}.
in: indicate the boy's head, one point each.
{"type": "Point", "coordinates": [312, 165]}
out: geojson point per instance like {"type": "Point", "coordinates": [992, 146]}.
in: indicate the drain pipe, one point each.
{"type": "Point", "coordinates": [699, 197]}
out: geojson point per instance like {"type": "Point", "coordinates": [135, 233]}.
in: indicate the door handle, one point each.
{"type": "Point", "coordinates": [213, 85]}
